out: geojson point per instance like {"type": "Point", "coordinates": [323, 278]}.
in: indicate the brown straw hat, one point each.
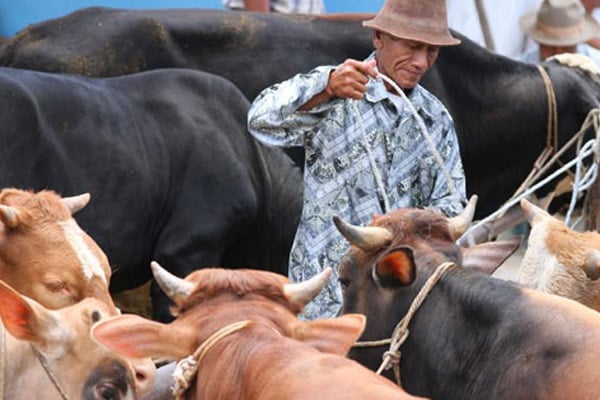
{"type": "Point", "coordinates": [420, 20]}
{"type": "Point", "coordinates": [560, 23]}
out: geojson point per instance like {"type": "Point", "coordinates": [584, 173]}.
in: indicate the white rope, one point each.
{"type": "Point", "coordinates": [423, 128]}
{"type": "Point", "coordinates": [376, 173]}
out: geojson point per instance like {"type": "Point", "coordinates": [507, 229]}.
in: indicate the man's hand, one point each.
{"type": "Point", "coordinates": [349, 80]}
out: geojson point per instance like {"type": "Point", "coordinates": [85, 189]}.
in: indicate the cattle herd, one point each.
{"type": "Point", "coordinates": [135, 121]}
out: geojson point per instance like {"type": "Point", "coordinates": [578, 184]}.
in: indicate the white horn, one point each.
{"type": "Point", "coordinates": [76, 203]}
{"type": "Point", "coordinates": [9, 216]}
{"type": "Point", "coordinates": [304, 292]}
{"type": "Point", "coordinates": [367, 238]}
{"type": "Point", "coordinates": [459, 224]}
{"type": "Point", "coordinates": [173, 286]}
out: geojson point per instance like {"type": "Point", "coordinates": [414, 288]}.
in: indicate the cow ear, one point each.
{"type": "Point", "coordinates": [133, 336]}
{"type": "Point", "coordinates": [396, 268]}
{"type": "Point", "coordinates": [333, 335]}
{"type": "Point", "coordinates": [487, 257]}
{"type": "Point", "coordinates": [25, 319]}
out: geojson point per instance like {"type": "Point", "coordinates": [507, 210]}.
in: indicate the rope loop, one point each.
{"type": "Point", "coordinates": [184, 373]}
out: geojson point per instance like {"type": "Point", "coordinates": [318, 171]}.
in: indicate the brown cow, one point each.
{"type": "Point", "coordinates": [560, 260]}
{"type": "Point", "coordinates": [270, 355]}
{"type": "Point", "coordinates": [51, 355]}
{"type": "Point", "coordinates": [44, 254]}
{"type": "Point", "coordinates": [473, 336]}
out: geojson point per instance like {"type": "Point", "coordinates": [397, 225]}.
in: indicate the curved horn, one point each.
{"type": "Point", "coordinates": [76, 203]}
{"type": "Point", "coordinates": [304, 292]}
{"type": "Point", "coordinates": [592, 265]}
{"type": "Point", "coordinates": [532, 211]}
{"type": "Point", "coordinates": [367, 238]}
{"type": "Point", "coordinates": [173, 286]}
{"type": "Point", "coordinates": [9, 216]}
{"type": "Point", "coordinates": [459, 224]}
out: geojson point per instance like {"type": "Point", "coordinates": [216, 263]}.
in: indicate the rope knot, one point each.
{"type": "Point", "coordinates": [392, 357]}
{"type": "Point", "coordinates": [184, 372]}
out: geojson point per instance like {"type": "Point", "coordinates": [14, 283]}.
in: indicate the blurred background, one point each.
{"type": "Point", "coordinates": [17, 14]}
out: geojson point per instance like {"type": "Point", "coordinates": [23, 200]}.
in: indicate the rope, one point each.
{"type": "Point", "coordinates": [186, 369]}
{"type": "Point", "coordinates": [376, 172]}
{"type": "Point", "coordinates": [391, 358]}
{"type": "Point", "coordinates": [49, 372]}
{"type": "Point", "coordinates": [423, 128]}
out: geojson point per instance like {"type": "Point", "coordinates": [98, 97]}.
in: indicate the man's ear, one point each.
{"type": "Point", "coordinates": [376, 37]}
{"type": "Point", "coordinates": [396, 268]}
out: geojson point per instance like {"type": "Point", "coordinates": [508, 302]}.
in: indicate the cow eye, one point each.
{"type": "Point", "coordinates": [344, 283]}
{"type": "Point", "coordinates": [56, 286]}
{"type": "Point", "coordinates": [108, 391]}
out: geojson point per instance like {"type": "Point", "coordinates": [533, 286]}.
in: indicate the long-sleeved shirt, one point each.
{"type": "Point", "coordinates": [338, 174]}
{"type": "Point", "coordinates": [285, 6]}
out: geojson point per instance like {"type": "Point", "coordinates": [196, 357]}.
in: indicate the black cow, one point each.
{"type": "Point", "coordinates": [474, 337]}
{"type": "Point", "coordinates": [499, 105]}
{"type": "Point", "coordinates": [165, 154]}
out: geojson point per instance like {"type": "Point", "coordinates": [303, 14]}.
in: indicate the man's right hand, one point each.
{"type": "Point", "coordinates": [349, 79]}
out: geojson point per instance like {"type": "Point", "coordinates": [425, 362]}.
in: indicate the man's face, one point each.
{"type": "Point", "coordinates": [549, 51]}
{"type": "Point", "coordinates": [405, 61]}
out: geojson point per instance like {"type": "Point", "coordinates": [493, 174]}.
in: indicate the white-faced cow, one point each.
{"type": "Point", "coordinates": [166, 155]}
{"type": "Point", "coordinates": [49, 354]}
{"type": "Point", "coordinates": [473, 337]}
{"type": "Point", "coordinates": [499, 105]}
{"type": "Point", "coordinates": [241, 330]}
{"type": "Point", "coordinates": [560, 260]}
{"type": "Point", "coordinates": [44, 254]}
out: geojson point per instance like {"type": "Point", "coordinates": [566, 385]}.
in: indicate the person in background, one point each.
{"type": "Point", "coordinates": [560, 26]}
{"type": "Point", "coordinates": [365, 151]}
{"type": "Point", "coordinates": [280, 6]}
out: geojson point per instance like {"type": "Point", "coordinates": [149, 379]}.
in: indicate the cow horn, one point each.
{"type": "Point", "coordinates": [592, 265]}
{"type": "Point", "coordinates": [459, 224]}
{"type": "Point", "coordinates": [76, 203]}
{"type": "Point", "coordinates": [173, 286]}
{"type": "Point", "coordinates": [304, 292]}
{"type": "Point", "coordinates": [367, 238]}
{"type": "Point", "coordinates": [9, 216]}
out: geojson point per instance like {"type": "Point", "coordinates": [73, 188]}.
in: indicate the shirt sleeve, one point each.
{"type": "Point", "coordinates": [274, 118]}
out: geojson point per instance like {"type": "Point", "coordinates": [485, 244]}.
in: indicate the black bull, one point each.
{"type": "Point", "coordinates": [174, 175]}
{"type": "Point", "coordinates": [498, 105]}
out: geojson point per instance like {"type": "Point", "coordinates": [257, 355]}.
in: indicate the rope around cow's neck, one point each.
{"type": "Point", "coordinates": [49, 372]}
{"type": "Point", "coordinates": [391, 358]}
{"type": "Point", "coordinates": [186, 369]}
{"type": "Point", "coordinates": [436, 154]}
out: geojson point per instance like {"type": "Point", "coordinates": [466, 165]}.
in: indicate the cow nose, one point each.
{"type": "Point", "coordinates": [145, 375]}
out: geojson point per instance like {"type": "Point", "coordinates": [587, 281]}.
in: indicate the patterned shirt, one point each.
{"type": "Point", "coordinates": [284, 6]}
{"type": "Point", "coordinates": [338, 178]}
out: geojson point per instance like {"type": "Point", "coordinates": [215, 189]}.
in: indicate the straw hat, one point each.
{"type": "Point", "coordinates": [560, 23]}
{"type": "Point", "coordinates": [419, 20]}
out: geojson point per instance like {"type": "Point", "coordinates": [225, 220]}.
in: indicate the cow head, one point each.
{"type": "Point", "coordinates": [209, 299]}
{"type": "Point", "coordinates": [382, 279]}
{"type": "Point", "coordinates": [81, 368]}
{"type": "Point", "coordinates": [560, 260]}
{"type": "Point", "coordinates": [44, 254]}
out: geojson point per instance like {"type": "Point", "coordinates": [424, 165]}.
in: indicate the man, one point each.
{"type": "Point", "coordinates": [560, 26]}
{"type": "Point", "coordinates": [281, 6]}
{"type": "Point", "coordinates": [365, 153]}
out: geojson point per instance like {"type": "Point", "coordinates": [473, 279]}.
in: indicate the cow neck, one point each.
{"type": "Point", "coordinates": [49, 372]}
{"type": "Point", "coordinates": [186, 368]}
{"type": "Point", "coordinates": [391, 358]}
